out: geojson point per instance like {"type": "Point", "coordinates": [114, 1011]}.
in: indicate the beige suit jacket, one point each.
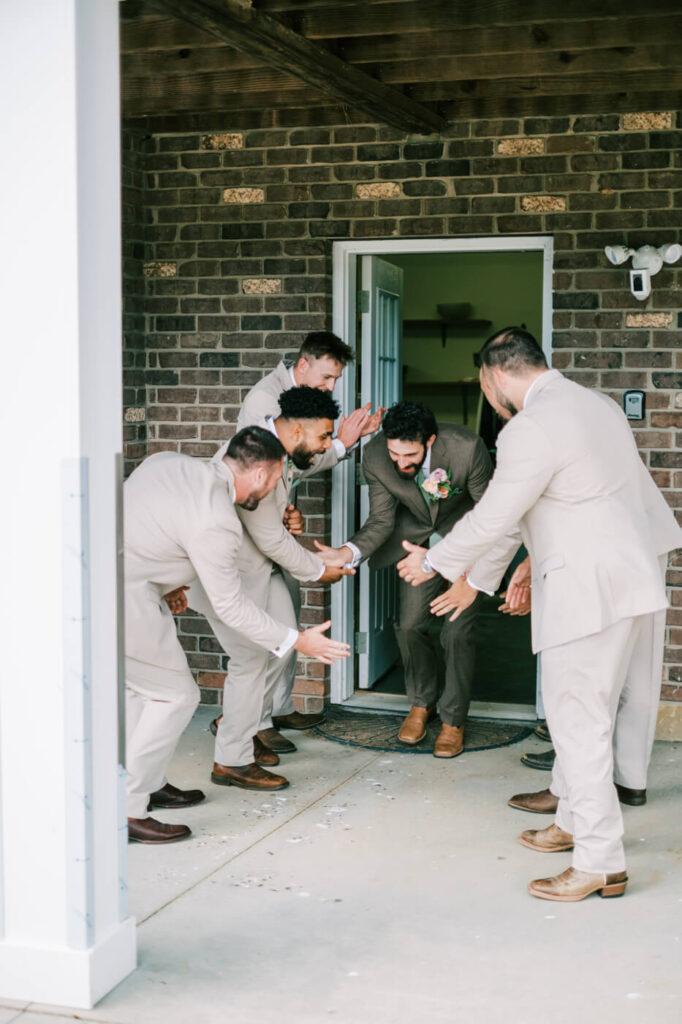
{"type": "Point", "coordinates": [267, 540]}
{"type": "Point", "coordinates": [263, 401]}
{"type": "Point", "coordinates": [570, 485]}
{"type": "Point", "coordinates": [181, 525]}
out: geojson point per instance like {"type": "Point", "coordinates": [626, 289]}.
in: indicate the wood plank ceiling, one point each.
{"type": "Point", "coordinates": [413, 64]}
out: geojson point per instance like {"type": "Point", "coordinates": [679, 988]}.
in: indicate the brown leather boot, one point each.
{"type": "Point", "coordinates": [547, 840]}
{"type": "Point", "coordinates": [263, 755]}
{"type": "Point", "coordinates": [543, 802]}
{"type": "Point", "coordinates": [573, 885]}
{"type": "Point", "coordinates": [450, 741]}
{"type": "Point", "coordinates": [413, 729]}
{"type": "Point", "coordinates": [248, 776]}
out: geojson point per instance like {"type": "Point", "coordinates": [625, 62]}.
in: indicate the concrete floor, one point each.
{"type": "Point", "coordinates": [386, 888]}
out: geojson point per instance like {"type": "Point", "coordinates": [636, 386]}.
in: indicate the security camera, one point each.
{"type": "Point", "coordinates": [640, 284]}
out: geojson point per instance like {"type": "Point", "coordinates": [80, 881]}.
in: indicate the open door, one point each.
{"type": "Point", "coordinates": [381, 384]}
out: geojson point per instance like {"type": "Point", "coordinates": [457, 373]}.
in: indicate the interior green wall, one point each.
{"type": "Point", "coordinates": [503, 287]}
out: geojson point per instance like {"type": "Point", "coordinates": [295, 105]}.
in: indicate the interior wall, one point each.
{"type": "Point", "coordinates": [502, 288]}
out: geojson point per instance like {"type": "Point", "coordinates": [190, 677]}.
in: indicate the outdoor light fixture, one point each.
{"type": "Point", "coordinates": [646, 261]}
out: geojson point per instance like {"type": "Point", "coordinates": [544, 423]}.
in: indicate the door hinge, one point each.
{"type": "Point", "coordinates": [363, 302]}
{"type": "Point", "coordinates": [361, 643]}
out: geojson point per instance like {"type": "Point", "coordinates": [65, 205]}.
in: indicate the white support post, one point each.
{"type": "Point", "coordinates": [65, 934]}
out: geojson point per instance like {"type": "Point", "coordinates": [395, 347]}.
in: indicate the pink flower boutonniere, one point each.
{"type": "Point", "coordinates": [437, 486]}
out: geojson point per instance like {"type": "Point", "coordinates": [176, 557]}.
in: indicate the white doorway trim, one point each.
{"type": "Point", "coordinates": [344, 321]}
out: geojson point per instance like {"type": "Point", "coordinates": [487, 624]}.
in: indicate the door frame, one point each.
{"type": "Point", "coordinates": [344, 321]}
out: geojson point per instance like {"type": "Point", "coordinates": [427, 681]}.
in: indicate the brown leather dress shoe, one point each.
{"type": "Point", "coordinates": [273, 739]}
{"type": "Point", "coordinates": [296, 720]}
{"type": "Point", "coordinates": [214, 725]}
{"type": "Point", "coordinates": [171, 797]}
{"type": "Point", "coordinates": [149, 830]}
{"type": "Point", "coordinates": [413, 729]}
{"type": "Point", "coordinates": [263, 755]}
{"type": "Point", "coordinates": [543, 802]}
{"type": "Point", "coordinates": [450, 741]}
{"type": "Point", "coordinates": [544, 761]}
{"type": "Point", "coordinates": [547, 840]}
{"type": "Point", "coordinates": [248, 776]}
{"type": "Point", "coordinates": [573, 885]}
{"type": "Point", "coordinates": [631, 797]}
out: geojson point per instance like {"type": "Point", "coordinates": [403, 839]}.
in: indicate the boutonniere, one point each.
{"type": "Point", "coordinates": [437, 485]}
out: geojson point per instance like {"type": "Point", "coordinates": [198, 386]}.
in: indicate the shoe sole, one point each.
{"type": "Point", "coordinates": [158, 842]}
{"type": "Point", "coordinates": [537, 767]}
{"type": "Point", "coordinates": [173, 807]}
{"type": "Point", "coordinates": [545, 849]}
{"type": "Point", "coordinates": [449, 756]}
{"type": "Point", "coordinates": [605, 891]}
{"type": "Point", "coordinates": [220, 781]}
{"type": "Point", "coordinates": [531, 810]}
{"type": "Point", "coordinates": [300, 728]}
{"type": "Point", "coordinates": [411, 743]}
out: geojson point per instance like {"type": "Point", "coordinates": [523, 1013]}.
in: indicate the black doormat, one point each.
{"type": "Point", "coordinates": [379, 731]}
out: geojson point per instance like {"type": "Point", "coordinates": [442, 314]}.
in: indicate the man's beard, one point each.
{"type": "Point", "coordinates": [302, 457]}
{"type": "Point", "coordinates": [410, 473]}
{"type": "Point", "coordinates": [249, 503]}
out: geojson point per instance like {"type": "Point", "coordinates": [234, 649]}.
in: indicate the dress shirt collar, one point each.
{"type": "Point", "coordinates": [291, 374]}
{"type": "Point", "coordinates": [426, 464]}
{"type": "Point", "coordinates": [531, 389]}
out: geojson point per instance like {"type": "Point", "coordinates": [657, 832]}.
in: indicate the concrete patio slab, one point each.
{"type": "Point", "coordinates": [389, 888]}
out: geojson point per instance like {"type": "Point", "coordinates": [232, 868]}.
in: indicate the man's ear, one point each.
{"type": "Point", "coordinates": [430, 440]}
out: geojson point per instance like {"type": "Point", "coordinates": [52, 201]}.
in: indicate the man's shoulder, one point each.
{"type": "Point", "coordinates": [263, 398]}
{"type": "Point", "coordinates": [457, 433]}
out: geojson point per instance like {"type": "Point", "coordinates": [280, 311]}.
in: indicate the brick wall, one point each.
{"type": "Point", "coordinates": [237, 256]}
{"type": "Point", "coordinates": [135, 213]}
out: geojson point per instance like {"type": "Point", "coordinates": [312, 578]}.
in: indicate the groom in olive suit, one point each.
{"type": "Point", "coordinates": [397, 464]}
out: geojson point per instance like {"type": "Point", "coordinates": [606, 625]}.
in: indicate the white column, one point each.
{"type": "Point", "coordinates": [65, 933]}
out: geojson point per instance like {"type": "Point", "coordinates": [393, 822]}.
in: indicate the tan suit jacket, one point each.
{"type": "Point", "coordinates": [181, 525]}
{"type": "Point", "coordinates": [263, 401]}
{"type": "Point", "coordinates": [570, 485]}
{"type": "Point", "coordinates": [397, 510]}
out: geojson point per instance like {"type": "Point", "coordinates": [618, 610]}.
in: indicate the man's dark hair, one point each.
{"type": "Point", "coordinates": [512, 349]}
{"type": "Point", "coordinates": [408, 421]}
{"type": "Point", "coordinates": [308, 404]}
{"type": "Point", "coordinates": [324, 343]}
{"type": "Point", "coordinates": [253, 445]}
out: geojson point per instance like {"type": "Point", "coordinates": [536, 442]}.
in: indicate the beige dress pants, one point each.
{"type": "Point", "coordinates": [633, 736]}
{"type": "Point", "coordinates": [159, 704]}
{"type": "Point", "coordinates": [582, 683]}
{"type": "Point", "coordinates": [253, 673]}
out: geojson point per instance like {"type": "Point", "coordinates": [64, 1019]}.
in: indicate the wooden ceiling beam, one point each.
{"type": "Point", "coordinates": [377, 19]}
{"type": "Point", "coordinates": [524, 65]}
{"type": "Point", "coordinates": [533, 38]}
{"type": "Point", "coordinates": [560, 106]}
{"type": "Point", "coordinates": [175, 102]}
{"type": "Point", "coordinates": [548, 85]}
{"type": "Point", "coordinates": [252, 32]}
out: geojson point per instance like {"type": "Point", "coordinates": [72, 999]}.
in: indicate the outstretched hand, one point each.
{"type": "Point", "coordinates": [359, 423]}
{"type": "Point", "coordinates": [315, 644]}
{"type": "Point", "coordinates": [410, 567]}
{"type": "Point", "coordinates": [335, 558]}
{"type": "Point", "coordinates": [458, 597]}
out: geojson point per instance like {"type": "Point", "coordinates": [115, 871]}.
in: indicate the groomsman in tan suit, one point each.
{"type": "Point", "coordinates": [181, 525]}
{"type": "Point", "coordinates": [571, 486]}
{"type": "Point", "coordinates": [319, 364]}
{"type": "Point", "coordinates": [410, 448]}
{"type": "Point", "coordinates": [304, 428]}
